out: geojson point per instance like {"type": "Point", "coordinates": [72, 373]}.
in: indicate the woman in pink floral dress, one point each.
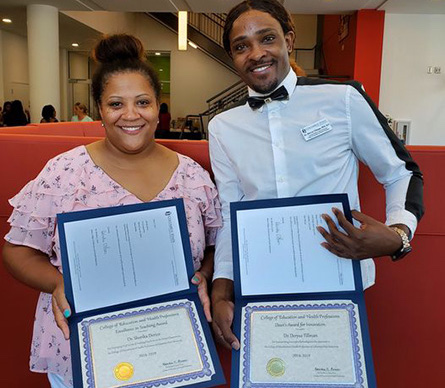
{"type": "Point", "coordinates": [126, 167]}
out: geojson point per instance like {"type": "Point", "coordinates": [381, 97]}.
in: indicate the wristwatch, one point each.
{"type": "Point", "coordinates": [406, 246]}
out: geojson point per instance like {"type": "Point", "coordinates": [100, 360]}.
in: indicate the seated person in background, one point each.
{"type": "Point", "coordinates": [27, 114]}
{"type": "Point", "coordinates": [80, 113]}
{"type": "Point", "coordinates": [5, 112]}
{"type": "Point", "coordinates": [125, 167]}
{"type": "Point", "coordinates": [49, 114]}
{"type": "Point", "coordinates": [16, 116]}
{"type": "Point", "coordinates": [163, 129]}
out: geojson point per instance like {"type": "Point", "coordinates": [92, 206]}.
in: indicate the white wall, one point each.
{"type": "Point", "coordinates": [106, 22]}
{"type": "Point", "coordinates": [2, 92]}
{"type": "Point", "coordinates": [306, 37]}
{"type": "Point", "coordinates": [412, 43]}
{"type": "Point", "coordinates": [15, 68]}
{"type": "Point", "coordinates": [14, 82]}
{"type": "Point", "coordinates": [79, 91]}
{"type": "Point", "coordinates": [65, 112]}
{"type": "Point", "coordinates": [194, 76]}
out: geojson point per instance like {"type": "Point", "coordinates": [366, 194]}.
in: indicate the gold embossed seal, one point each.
{"type": "Point", "coordinates": [276, 367]}
{"type": "Point", "coordinates": [123, 371]}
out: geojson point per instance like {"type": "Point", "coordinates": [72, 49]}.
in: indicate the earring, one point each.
{"type": "Point", "coordinates": [101, 123]}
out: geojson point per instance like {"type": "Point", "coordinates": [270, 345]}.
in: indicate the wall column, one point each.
{"type": "Point", "coordinates": [2, 86]}
{"type": "Point", "coordinates": [359, 54]}
{"type": "Point", "coordinates": [43, 54]}
{"type": "Point", "coordinates": [64, 114]}
{"type": "Point", "coordinates": [368, 50]}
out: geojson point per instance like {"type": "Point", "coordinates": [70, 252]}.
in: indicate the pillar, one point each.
{"type": "Point", "coordinates": [43, 55]}
{"type": "Point", "coordinates": [368, 50]}
{"type": "Point", "coordinates": [2, 86]}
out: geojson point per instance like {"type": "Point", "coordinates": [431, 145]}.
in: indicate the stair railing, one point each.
{"type": "Point", "coordinates": [209, 24]}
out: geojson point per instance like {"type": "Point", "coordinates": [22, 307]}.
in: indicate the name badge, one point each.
{"type": "Point", "coordinates": [316, 129]}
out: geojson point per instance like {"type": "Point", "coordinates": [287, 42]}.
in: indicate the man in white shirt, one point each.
{"type": "Point", "coordinates": [297, 136]}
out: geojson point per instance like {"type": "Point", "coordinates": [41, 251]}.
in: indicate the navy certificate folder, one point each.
{"type": "Point", "coordinates": [277, 326]}
{"type": "Point", "coordinates": [137, 322]}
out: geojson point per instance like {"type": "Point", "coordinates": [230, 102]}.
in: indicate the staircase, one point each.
{"type": "Point", "coordinates": [206, 30]}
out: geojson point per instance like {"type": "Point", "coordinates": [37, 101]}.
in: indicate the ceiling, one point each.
{"type": "Point", "coordinates": [68, 27]}
{"type": "Point", "coordinates": [294, 6]}
{"type": "Point", "coordinates": [16, 10]}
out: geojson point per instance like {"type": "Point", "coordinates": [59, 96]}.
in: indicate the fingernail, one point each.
{"type": "Point", "coordinates": [195, 279]}
{"type": "Point", "coordinates": [67, 313]}
{"type": "Point", "coordinates": [235, 345]}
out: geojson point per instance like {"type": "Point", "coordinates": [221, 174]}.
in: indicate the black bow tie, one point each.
{"type": "Point", "coordinates": [279, 95]}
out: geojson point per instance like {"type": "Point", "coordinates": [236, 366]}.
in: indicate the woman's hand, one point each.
{"type": "Point", "coordinates": [61, 309]}
{"type": "Point", "coordinates": [33, 268]}
{"type": "Point", "coordinates": [200, 280]}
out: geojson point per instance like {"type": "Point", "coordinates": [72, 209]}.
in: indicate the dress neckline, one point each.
{"type": "Point", "coordinates": [128, 192]}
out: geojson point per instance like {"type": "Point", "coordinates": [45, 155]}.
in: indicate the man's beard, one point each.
{"type": "Point", "coordinates": [266, 88]}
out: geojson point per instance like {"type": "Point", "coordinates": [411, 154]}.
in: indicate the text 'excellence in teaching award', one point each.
{"type": "Point", "coordinates": [137, 321]}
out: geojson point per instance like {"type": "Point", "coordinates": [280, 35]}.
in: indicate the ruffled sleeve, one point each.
{"type": "Point", "coordinates": [201, 189]}
{"type": "Point", "coordinates": [33, 217]}
{"type": "Point", "coordinates": [65, 184]}
{"type": "Point", "coordinates": [211, 213]}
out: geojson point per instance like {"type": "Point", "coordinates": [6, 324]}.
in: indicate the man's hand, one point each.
{"type": "Point", "coordinates": [222, 306]}
{"type": "Point", "coordinates": [371, 239]}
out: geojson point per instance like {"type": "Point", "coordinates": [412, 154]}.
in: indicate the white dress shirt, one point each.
{"type": "Point", "coordinates": [263, 154]}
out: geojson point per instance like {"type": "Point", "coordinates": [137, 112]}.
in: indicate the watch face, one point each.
{"type": "Point", "coordinates": [401, 254]}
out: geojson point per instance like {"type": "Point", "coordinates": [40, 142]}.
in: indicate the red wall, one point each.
{"type": "Point", "coordinates": [359, 55]}
{"type": "Point", "coordinates": [406, 318]}
{"type": "Point", "coordinates": [339, 56]}
{"type": "Point", "coordinates": [368, 51]}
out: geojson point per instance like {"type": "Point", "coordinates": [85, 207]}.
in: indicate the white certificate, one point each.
{"type": "Point", "coordinates": [302, 344]}
{"type": "Point", "coordinates": [157, 345]}
{"type": "Point", "coordinates": [280, 252]}
{"type": "Point", "coordinates": [125, 257]}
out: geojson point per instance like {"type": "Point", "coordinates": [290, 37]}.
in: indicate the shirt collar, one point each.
{"type": "Point", "coordinates": [289, 82]}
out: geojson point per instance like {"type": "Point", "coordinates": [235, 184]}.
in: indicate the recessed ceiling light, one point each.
{"type": "Point", "coordinates": [75, 44]}
{"type": "Point", "coordinates": [6, 20]}
{"type": "Point", "coordinates": [161, 69]}
{"type": "Point", "coordinates": [194, 45]}
{"type": "Point", "coordinates": [157, 53]}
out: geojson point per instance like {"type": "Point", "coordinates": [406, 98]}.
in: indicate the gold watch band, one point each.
{"type": "Point", "coordinates": [406, 246]}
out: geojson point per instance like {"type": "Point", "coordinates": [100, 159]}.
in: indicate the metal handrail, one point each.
{"type": "Point", "coordinates": [238, 90]}
{"type": "Point", "coordinates": [224, 91]}
{"type": "Point", "coordinates": [212, 27]}
{"type": "Point", "coordinates": [216, 15]}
